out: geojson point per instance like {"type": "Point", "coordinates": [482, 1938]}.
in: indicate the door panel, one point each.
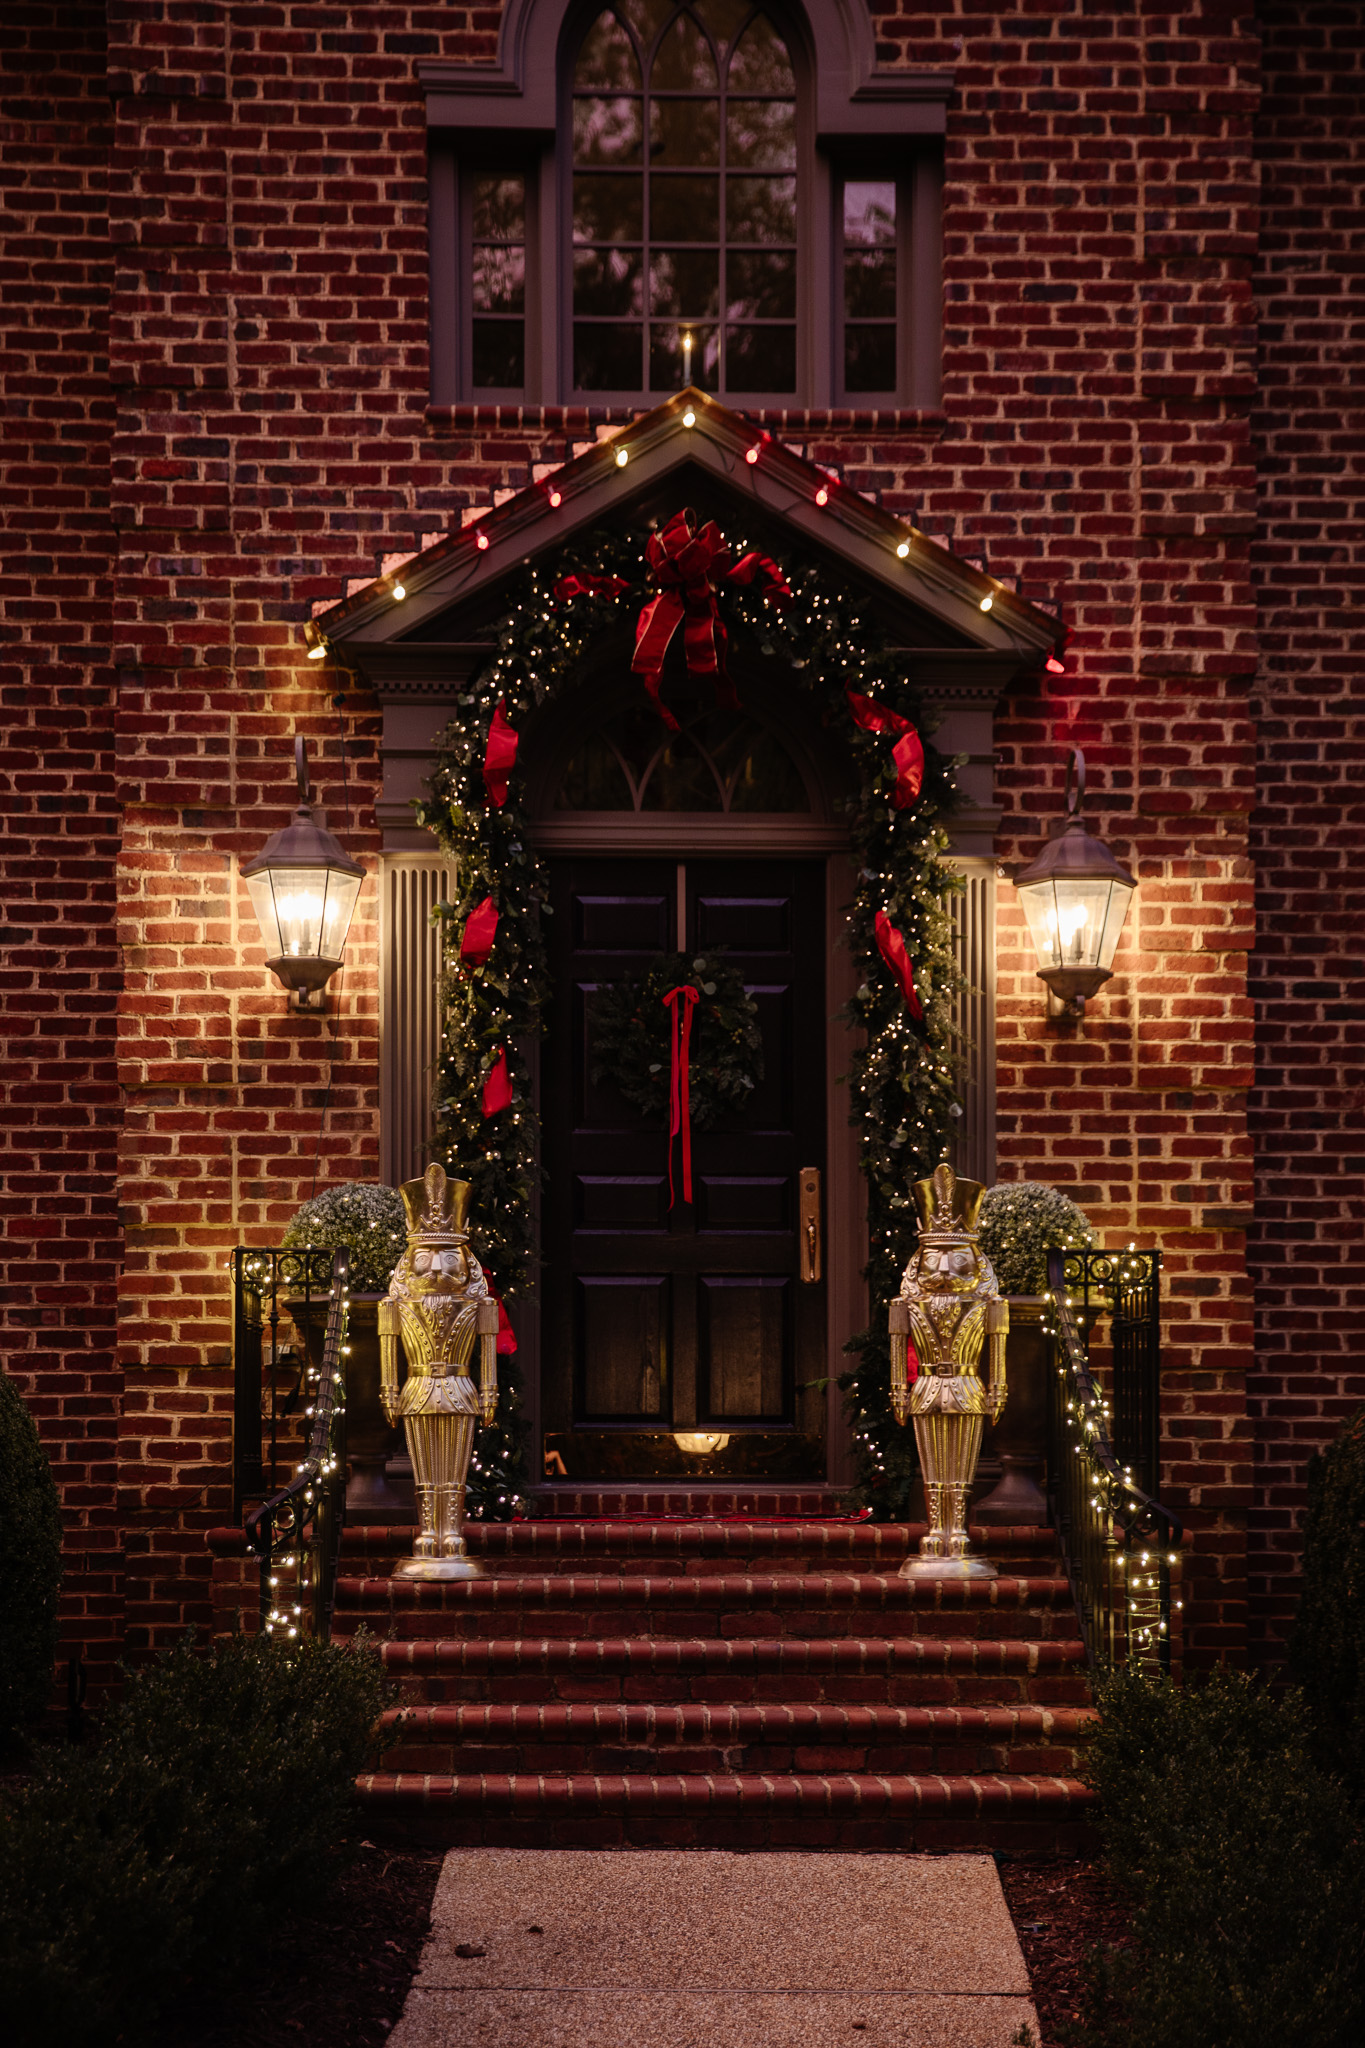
{"type": "Point", "coordinates": [658, 1319]}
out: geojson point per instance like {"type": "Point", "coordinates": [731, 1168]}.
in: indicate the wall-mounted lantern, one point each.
{"type": "Point", "coordinates": [1075, 897]}
{"type": "Point", "coordinates": [304, 887]}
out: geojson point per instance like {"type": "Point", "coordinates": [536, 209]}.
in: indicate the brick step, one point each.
{"type": "Point", "coordinates": [721, 1604]}
{"type": "Point", "coordinates": [688, 1546]}
{"type": "Point", "coordinates": [842, 1670]}
{"type": "Point", "coordinates": [1026, 1813]}
{"type": "Point", "coordinates": [570, 1498]}
{"type": "Point", "coordinates": [617, 1739]}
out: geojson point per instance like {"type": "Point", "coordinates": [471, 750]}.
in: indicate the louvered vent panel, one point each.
{"type": "Point", "coordinates": [973, 914]}
{"type": "Point", "coordinates": [409, 1010]}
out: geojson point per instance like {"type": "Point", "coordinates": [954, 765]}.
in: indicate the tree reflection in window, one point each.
{"type": "Point", "coordinates": [721, 761]}
{"type": "Point", "coordinates": [684, 199]}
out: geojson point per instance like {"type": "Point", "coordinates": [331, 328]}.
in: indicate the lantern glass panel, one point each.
{"type": "Point", "coordinates": [304, 913]}
{"type": "Point", "coordinates": [1075, 920]}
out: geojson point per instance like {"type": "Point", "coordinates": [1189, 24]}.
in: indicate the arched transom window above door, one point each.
{"type": "Point", "coordinates": [685, 200]}
{"type": "Point", "coordinates": [721, 761]}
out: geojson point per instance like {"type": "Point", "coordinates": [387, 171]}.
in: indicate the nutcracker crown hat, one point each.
{"type": "Point", "coordinates": [436, 1207]}
{"type": "Point", "coordinates": [948, 1207]}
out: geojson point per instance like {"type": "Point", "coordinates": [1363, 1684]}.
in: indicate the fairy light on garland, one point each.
{"type": "Point", "coordinates": [901, 1072]}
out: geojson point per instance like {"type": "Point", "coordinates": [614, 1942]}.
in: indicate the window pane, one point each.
{"type": "Point", "coordinates": [594, 780]}
{"type": "Point", "coordinates": [499, 283]}
{"type": "Point", "coordinates": [722, 19]}
{"type": "Point", "coordinates": [761, 133]}
{"type": "Point", "coordinates": [607, 282]}
{"type": "Point", "coordinates": [607, 59]}
{"type": "Point", "coordinates": [499, 354]}
{"type": "Point", "coordinates": [684, 131]}
{"type": "Point", "coordinates": [646, 17]}
{"type": "Point", "coordinates": [760, 358]}
{"type": "Point", "coordinates": [684, 209]}
{"type": "Point", "coordinates": [769, 780]}
{"type": "Point", "coordinates": [870, 284]}
{"type": "Point", "coordinates": [762, 285]}
{"type": "Point", "coordinates": [607, 358]}
{"type": "Point", "coordinates": [760, 209]}
{"type": "Point", "coordinates": [499, 209]}
{"type": "Point", "coordinates": [869, 214]}
{"type": "Point", "coordinates": [607, 131]}
{"type": "Point", "coordinates": [684, 62]}
{"type": "Point", "coordinates": [869, 358]}
{"type": "Point", "coordinates": [685, 282]}
{"type": "Point", "coordinates": [666, 372]}
{"type": "Point", "coordinates": [608, 208]}
{"type": "Point", "coordinates": [682, 781]}
{"type": "Point", "coordinates": [761, 63]}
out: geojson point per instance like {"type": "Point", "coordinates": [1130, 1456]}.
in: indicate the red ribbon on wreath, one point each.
{"type": "Point", "coordinates": [480, 930]}
{"type": "Point", "coordinates": [908, 752]}
{"type": "Point", "coordinates": [688, 566]}
{"type": "Point", "coordinates": [891, 946]}
{"type": "Point", "coordinates": [497, 1087]}
{"type": "Point", "coordinates": [500, 755]}
{"type": "Point", "coordinates": [680, 1073]}
{"type": "Point", "coordinates": [589, 586]}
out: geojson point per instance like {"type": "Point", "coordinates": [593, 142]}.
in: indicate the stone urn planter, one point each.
{"type": "Point", "coordinates": [379, 1488]}
{"type": "Point", "coordinates": [1016, 1445]}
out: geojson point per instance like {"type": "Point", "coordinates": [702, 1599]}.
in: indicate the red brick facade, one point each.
{"type": "Point", "coordinates": [215, 380]}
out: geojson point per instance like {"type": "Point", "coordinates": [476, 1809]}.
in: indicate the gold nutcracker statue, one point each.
{"type": "Point", "coordinates": [950, 1304]}
{"type": "Point", "coordinates": [438, 1302]}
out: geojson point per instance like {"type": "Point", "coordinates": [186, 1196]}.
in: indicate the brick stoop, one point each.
{"type": "Point", "coordinates": [735, 1684]}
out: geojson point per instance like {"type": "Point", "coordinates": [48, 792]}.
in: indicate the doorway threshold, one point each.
{"type": "Point", "coordinates": [692, 1501]}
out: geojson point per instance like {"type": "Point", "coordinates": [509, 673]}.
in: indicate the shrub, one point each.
{"type": "Point", "coordinates": [30, 1565]}
{"type": "Point", "coordinates": [1021, 1221]}
{"type": "Point", "coordinates": [365, 1216]}
{"type": "Point", "coordinates": [1327, 1653]}
{"type": "Point", "coordinates": [218, 1797]}
{"type": "Point", "coordinates": [1242, 1862]}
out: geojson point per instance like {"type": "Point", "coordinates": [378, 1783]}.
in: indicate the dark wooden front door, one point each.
{"type": "Point", "coordinates": [662, 1321]}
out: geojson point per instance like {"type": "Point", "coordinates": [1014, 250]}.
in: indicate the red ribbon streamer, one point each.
{"type": "Point", "coordinates": [497, 1087]}
{"type": "Point", "coordinates": [499, 756]}
{"type": "Point", "coordinates": [679, 1111]}
{"type": "Point", "coordinates": [507, 1336]}
{"type": "Point", "coordinates": [480, 930]}
{"type": "Point", "coordinates": [908, 752]}
{"type": "Point", "coordinates": [891, 946]}
{"type": "Point", "coordinates": [589, 586]}
{"type": "Point", "coordinates": [686, 564]}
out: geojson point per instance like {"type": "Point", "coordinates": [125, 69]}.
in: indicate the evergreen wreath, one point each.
{"type": "Point", "coordinates": [902, 1072]}
{"type": "Point", "coordinates": [632, 1038]}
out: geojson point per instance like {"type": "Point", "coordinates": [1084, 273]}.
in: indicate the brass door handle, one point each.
{"type": "Point", "coordinates": [812, 1251]}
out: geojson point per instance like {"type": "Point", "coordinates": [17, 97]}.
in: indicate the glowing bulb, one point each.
{"type": "Point", "coordinates": [481, 541]}
{"type": "Point", "coordinates": [751, 455]}
{"type": "Point", "coordinates": [318, 653]}
{"type": "Point", "coordinates": [555, 498]}
{"type": "Point", "coordinates": [987, 601]}
{"type": "Point", "coordinates": [689, 418]}
{"type": "Point", "coordinates": [903, 549]}
{"type": "Point", "coordinates": [622, 458]}
{"type": "Point", "coordinates": [822, 496]}
{"type": "Point", "coordinates": [399, 593]}
{"type": "Point", "coordinates": [1054, 667]}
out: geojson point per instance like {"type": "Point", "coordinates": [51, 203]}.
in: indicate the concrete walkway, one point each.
{"type": "Point", "coordinates": [586, 1948]}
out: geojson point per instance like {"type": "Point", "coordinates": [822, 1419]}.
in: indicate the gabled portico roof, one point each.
{"type": "Point", "coordinates": [964, 632]}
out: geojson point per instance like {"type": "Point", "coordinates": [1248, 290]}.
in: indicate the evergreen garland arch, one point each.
{"type": "Point", "coordinates": [902, 1070]}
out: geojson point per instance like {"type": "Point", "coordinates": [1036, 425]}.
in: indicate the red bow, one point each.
{"type": "Point", "coordinates": [891, 946]}
{"type": "Point", "coordinates": [499, 755]}
{"type": "Point", "coordinates": [497, 1087]}
{"type": "Point", "coordinates": [507, 1336]}
{"type": "Point", "coordinates": [480, 930]}
{"type": "Point", "coordinates": [908, 752]}
{"type": "Point", "coordinates": [686, 565]}
{"type": "Point", "coordinates": [589, 586]}
{"type": "Point", "coordinates": [679, 1111]}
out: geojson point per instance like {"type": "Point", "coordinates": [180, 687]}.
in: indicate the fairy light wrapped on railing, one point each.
{"type": "Point", "coordinates": [1120, 1544]}
{"type": "Point", "coordinates": [297, 1532]}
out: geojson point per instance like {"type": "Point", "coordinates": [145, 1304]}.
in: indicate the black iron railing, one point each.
{"type": "Point", "coordinates": [1120, 1544]}
{"type": "Point", "coordinates": [296, 1531]}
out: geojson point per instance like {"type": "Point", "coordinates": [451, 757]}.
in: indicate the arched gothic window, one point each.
{"type": "Point", "coordinates": [685, 170]}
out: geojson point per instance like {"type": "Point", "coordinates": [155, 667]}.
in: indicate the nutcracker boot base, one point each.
{"type": "Point", "coordinates": [949, 1446]}
{"type": "Point", "coordinates": [440, 1445]}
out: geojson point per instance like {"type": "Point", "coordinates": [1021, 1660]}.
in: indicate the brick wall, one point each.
{"type": "Point", "coordinates": [271, 443]}
{"type": "Point", "coordinates": [1308, 1112]}
{"type": "Point", "coordinates": [59, 1245]}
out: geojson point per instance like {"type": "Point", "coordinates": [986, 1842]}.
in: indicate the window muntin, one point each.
{"type": "Point", "coordinates": [684, 200]}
